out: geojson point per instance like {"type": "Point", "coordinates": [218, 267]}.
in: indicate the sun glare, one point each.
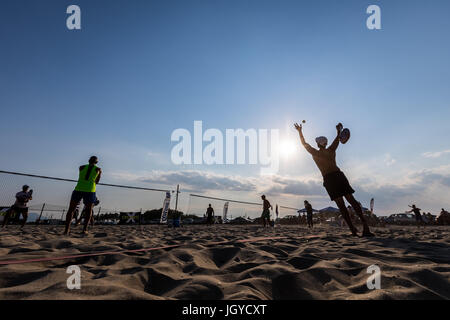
{"type": "Point", "coordinates": [287, 148]}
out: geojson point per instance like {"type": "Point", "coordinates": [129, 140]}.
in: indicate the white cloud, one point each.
{"type": "Point", "coordinates": [279, 185]}
{"type": "Point", "coordinates": [388, 160]}
{"type": "Point", "coordinates": [199, 180]}
{"type": "Point", "coordinates": [435, 154]}
{"type": "Point", "coordinates": [428, 187]}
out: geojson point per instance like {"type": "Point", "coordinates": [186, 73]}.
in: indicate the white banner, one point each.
{"type": "Point", "coordinates": [131, 217]}
{"type": "Point", "coordinates": [225, 211]}
{"type": "Point", "coordinates": [165, 209]}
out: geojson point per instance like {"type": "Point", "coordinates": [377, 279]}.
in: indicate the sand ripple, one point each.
{"type": "Point", "coordinates": [322, 264]}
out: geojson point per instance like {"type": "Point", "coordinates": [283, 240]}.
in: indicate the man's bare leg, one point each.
{"type": "Point", "coordinates": [25, 218]}
{"type": "Point", "coordinates": [357, 207]}
{"type": "Point", "coordinates": [78, 220]}
{"type": "Point", "coordinates": [420, 223]}
{"type": "Point", "coordinates": [69, 216]}
{"type": "Point", "coordinates": [341, 205]}
{"type": "Point", "coordinates": [7, 216]}
{"type": "Point", "coordinates": [88, 217]}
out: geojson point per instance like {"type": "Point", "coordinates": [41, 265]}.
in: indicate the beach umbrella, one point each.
{"type": "Point", "coordinates": [304, 210]}
{"type": "Point", "coordinates": [329, 209]}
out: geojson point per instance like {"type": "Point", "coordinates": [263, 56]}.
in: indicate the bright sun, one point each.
{"type": "Point", "coordinates": [287, 148]}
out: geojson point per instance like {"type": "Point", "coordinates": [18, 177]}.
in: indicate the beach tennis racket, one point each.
{"type": "Point", "coordinates": [344, 136]}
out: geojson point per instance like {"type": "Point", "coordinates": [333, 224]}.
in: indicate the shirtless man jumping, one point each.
{"type": "Point", "coordinates": [334, 179]}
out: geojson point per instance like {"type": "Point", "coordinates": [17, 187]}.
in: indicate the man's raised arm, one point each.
{"type": "Point", "coordinates": [307, 146]}
{"type": "Point", "coordinates": [335, 143]}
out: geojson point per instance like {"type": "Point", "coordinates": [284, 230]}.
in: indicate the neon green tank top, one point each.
{"type": "Point", "coordinates": [87, 185]}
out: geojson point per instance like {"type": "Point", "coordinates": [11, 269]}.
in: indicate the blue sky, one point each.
{"type": "Point", "coordinates": [140, 69]}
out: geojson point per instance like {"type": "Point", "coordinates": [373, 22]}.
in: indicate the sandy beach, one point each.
{"type": "Point", "coordinates": [322, 264]}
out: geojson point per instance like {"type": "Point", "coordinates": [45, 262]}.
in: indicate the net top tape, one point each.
{"type": "Point", "coordinates": [71, 180]}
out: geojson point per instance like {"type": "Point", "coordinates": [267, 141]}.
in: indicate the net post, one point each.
{"type": "Point", "coordinates": [176, 199]}
{"type": "Point", "coordinates": [42, 210]}
{"type": "Point", "coordinates": [98, 215]}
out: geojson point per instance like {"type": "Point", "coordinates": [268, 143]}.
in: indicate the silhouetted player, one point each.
{"type": "Point", "coordinates": [309, 213]}
{"type": "Point", "coordinates": [266, 211]}
{"type": "Point", "coordinates": [209, 215]}
{"type": "Point", "coordinates": [334, 179]}
{"type": "Point", "coordinates": [444, 217]}
{"type": "Point", "coordinates": [416, 211]}
{"type": "Point", "coordinates": [89, 176]}
{"type": "Point", "coordinates": [20, 206]}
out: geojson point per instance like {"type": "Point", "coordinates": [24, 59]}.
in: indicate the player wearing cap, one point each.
{"type": "Point", "coordinates": [20, 206]}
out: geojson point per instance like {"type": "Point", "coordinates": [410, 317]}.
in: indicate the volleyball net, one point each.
{"type": "Point", "coordinates": [234, 208]}
{"type": "Point", "coordinates": [51, 196]}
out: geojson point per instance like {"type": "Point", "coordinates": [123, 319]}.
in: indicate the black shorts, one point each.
{"type": "Point", "coordinates": [337, 185]}
{"type": "Point", "coordinates": [88, 197]}
{"type": "Point", "coordinates": [19, 210]}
